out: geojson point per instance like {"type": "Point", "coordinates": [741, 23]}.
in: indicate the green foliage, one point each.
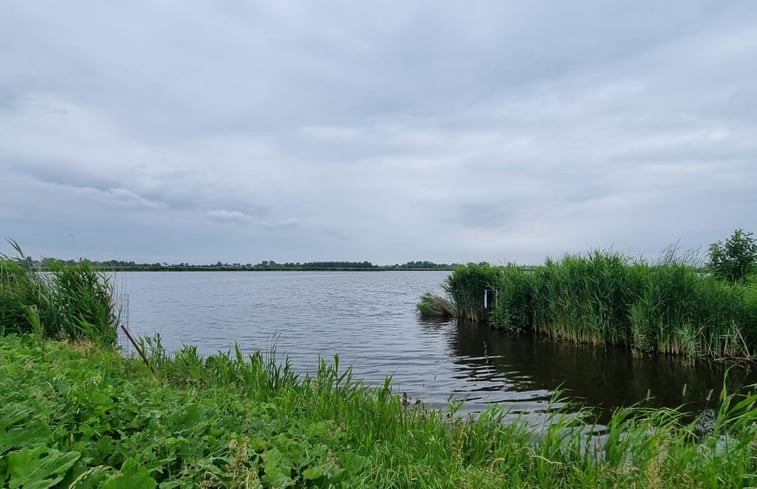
{"type": "Point", "coordinates": [736, 259]}
{"type": "Point", "coordinates": [266, 265]}
{"type": "Point", "coordinates": [86, 419]}
{"type": "Point", "coordinates": [513, 308]}
{"type": "Point", "coordinates": [607, 299]}
{"type": "Point", "coordinates": [38, 467]}
{"type": "Point", "coordinates": [434, 306]}
{"type": "Point", "coordinates": [68, 300]}
{"type": "Point", "coordinates": [465, 287]}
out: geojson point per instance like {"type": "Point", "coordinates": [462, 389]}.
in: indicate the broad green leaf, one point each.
{"type": "Point", "coordinates": [138, 480]}
{"type": "Point", "coordinates": [312, 473]}
{"type": "Point", "coordinates": [18, 429]}
{"type": "Point", "coordinates": [36, 433]}
{"type": "Point", "coordinates": [187, 417]}
{"type": "Point", "coordinates": [272, 458]}
{"type": "Point", "coordinates": [258, 444]}
{"type": "Point", "coordinates": [38, 468]}
{"type": "Point", "coordinates": [320, 428]}
{"type": "Point", "coordinates": [277, 469]}
{"type": "Point", "coordinates": [353, 463]}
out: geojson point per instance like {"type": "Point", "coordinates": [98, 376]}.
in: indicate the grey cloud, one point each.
{"type": "Point", "coordinates": [237, 216]}
{"type": "Point", "coordinates": [119, 198]}
{"type": "Point", "coordinates": [224, 215]}
{"type": "Point", "coordinates": [390, 131]}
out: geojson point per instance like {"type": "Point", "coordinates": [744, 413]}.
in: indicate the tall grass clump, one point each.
{"type": "Point", "coordinates": [584, 298]}
{"type": "Point", "coordinates": [678, 311]}
{"type": "Point", "coordinates": [465, 287]}
{"type": "Point", "coordinates": [605, 298]}
{"type": "Point", "coordinates": [513, 307]}
{"type": "Point", "coordinates": [71, 301]}
{"type": "Point", "coordinates": [23, 294]}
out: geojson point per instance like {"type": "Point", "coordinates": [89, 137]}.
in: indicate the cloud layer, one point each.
{"type": "Point", "coordinates": [240, 131]}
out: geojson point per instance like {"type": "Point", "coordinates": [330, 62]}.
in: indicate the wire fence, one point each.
{"type": "Point", "coordinates": [124, 344]}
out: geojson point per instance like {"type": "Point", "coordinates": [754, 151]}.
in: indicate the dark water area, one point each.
{"type": "Point", "coordinates": [369, 320]}
{"type": "Point", "coordinates": [603, 379]}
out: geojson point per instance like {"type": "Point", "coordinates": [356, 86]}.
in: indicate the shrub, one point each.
{"type": "Point", "coordinates": [734, 260]}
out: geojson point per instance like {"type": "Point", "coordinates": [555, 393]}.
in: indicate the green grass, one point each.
{"type": "Point", "coordinates": [67, 301]}
{"type": "Point", "coordinates": [607, 299]}
{"type": "Point", "coordinates": [79, 415]}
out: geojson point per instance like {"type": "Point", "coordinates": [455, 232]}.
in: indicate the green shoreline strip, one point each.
{"type": "Point", "coordinates": [81, 415]}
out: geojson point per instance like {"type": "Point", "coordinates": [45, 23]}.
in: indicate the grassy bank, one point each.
{"type": "Point", "coordinates": [604, 298]}
{"type": "Point", "coordinates": [79, 415]}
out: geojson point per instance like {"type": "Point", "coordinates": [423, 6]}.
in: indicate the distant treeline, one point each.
{"type": "Point", "coordinates": [266, 266]}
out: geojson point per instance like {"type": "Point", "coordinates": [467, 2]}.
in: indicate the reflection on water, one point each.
{"type": "Point", "coordinates": [603, 379]}
{"type": "Point", "coordinates": [369, 319]}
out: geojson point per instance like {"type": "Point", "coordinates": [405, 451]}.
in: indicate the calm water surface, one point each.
{"type": "Point", "coordinates": [369, 320]}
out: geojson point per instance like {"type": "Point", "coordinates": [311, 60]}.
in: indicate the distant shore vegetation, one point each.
{"type": "Point", "coordinates": [263, 266]}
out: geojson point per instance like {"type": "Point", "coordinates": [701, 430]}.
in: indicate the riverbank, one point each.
{"type": "Point", "coordinates": [80, 415]}
{"type": "Point", "coordinates": [607, 299]}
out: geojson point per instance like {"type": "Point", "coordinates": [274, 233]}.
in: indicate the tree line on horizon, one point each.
{"type": "Point", "coordinates": [265, 265]}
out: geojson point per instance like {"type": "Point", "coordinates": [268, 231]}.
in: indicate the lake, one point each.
{"type": "Point", "coordinates": [369, 320]}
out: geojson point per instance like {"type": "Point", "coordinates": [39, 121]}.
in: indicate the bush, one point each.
{"type": "Point", "coordinates": [734, 260]}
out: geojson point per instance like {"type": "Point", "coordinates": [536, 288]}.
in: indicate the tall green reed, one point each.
{"type": "Point", "coordinates": [73, 301]}
{"type": "Point", "coordinates": [465, 287]}
{"type": "Point", "coordinates": [605, 298]}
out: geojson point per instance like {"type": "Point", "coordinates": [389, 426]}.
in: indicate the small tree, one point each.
{"type": "Point", "coordinates": [735, 259]}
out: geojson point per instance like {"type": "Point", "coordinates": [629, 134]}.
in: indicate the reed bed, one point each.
{"type": "Point", "coordinates": [67, 301]}
{"type": "Point", "coordinates": [607, 299]}
{"type": "Point", "coordinates": [465, 289]}
{"type": "Point", "coordinates": [87, 417]}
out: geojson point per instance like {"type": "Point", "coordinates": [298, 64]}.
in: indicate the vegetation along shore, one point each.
{"type": "Point", "coordinates": [76, 413]}
{"type": "Point", "coordinates": [604, 298]}
{"type": "Point", "coordinates": [264, 266]}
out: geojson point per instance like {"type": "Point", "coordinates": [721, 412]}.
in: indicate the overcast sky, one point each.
{"type": "Point", "coordinates": [388, 131]}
